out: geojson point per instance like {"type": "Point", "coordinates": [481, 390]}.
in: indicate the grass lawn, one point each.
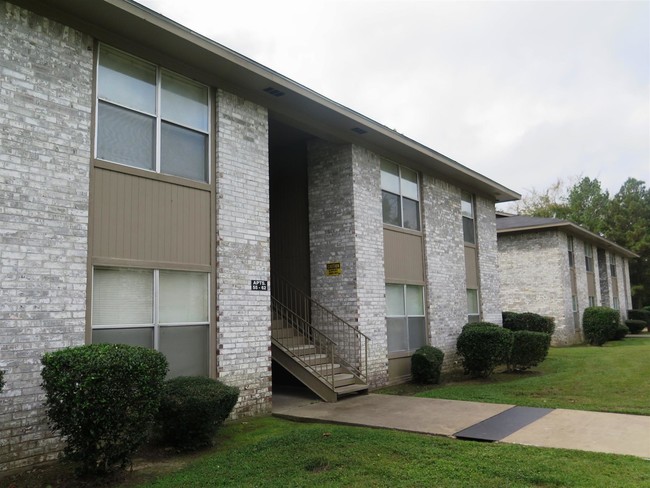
{"type": "Point", "coordinates": [612, 378]}
{"type": "Point", "coordinates": [269, 452]}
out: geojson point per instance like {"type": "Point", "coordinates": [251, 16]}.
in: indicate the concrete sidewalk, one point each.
{"type": "Point", "coordinates": [569, 429]}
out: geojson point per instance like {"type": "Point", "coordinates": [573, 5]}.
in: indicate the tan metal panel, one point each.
{"type": "Point", "coordinates": [399, 369]}
{"type": "Point", "coordinates": [591, 284]}
{"type": "Point", "coordinates": [471, 267]}
{"type": "Point", "coordinates": [403, 257]}
{"type": "Point", "coordinates": [614, 286]}
{"type": "Point", "coordinates": [141, 219]}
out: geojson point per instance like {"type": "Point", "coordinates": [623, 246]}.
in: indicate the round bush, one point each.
{"type": "Point", "coordinates": [621, 331]}
{"type": "Point", "coordinates": [483, 347]}
{"type": "Point", "coordinates": [528, 349]}
{"type": "Point", "coordinates": [102, 398]}
{"type": "Point", "coordinates": [639, 314]}
{"type": "Point", "coordinates": [635, 326]}
{"type": "Point", "coordinates": [528, 321]}
{"type": "Point", "coordinates": [193, 409]}
{"type": "Point", "coordinates": [600, 324]}
{"type": "Point", "coordinates": [426, 364]}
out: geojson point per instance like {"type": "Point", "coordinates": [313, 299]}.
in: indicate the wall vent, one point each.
{"type": "Point", "coordinates": [273, 91]}
{"type": "Point", "coordinates": [359, 130]}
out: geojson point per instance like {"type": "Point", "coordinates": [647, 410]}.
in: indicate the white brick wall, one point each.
{"type": "Point", "coordinates": [45, 101]}
{"type": "Point", "coordinates": [489, 281]}
{"type": "Point", "coordinates": [243, 252]}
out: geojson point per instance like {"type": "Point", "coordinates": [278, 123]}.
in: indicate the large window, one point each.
{"type": "Point", "coordinates": [612, 264]}
{"type": "Point", "coordinates": [400, 196]}
{"type": "Point", "coordinates": [151, 118]}
{"type": "Point", "coordinates": [473, 309]}
{"type": "Point", "coordinates": [467, 211]}
{"type": "Point", "coordinates": [163, 310]}
{"type": "Point", "coordinates": [405, 317]}
{"type": "Point", "coordinates": [572, 259]}
{"type": "Point", "coordinates": [589, 259]}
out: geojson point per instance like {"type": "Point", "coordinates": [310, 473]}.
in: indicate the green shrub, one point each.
{"type": "Point", "coordinates": [621, 331]}
{"type": "Point", "coordinates": [103, 398]}
{"type": "Point", "coordinates": [639, 314]}
{"type": "Point", "coordinates": [193, 409]}
{"type": "Point", "coordinates": [426, 364]}
{"type": "Point", "coordinates": [635, 326]}
{"type": "Point", "coordinates": [600, 324]}
{"type": "Point", "coordinates": [480, 324]}
{"type": "Point", "coordinates": [647, 307]}
{"type": "Point", "coordinates": [483, 347]}
{"type": "Point", "coordinates": [528, 321]}
{"type": "Point", "coordinates": [528, 349]}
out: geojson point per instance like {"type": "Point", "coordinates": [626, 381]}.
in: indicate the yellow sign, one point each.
{"type": "Point", "coordinates": [333, 269]}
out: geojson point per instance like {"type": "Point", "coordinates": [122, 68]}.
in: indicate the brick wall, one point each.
{"type": "Point", "coordinates": [345, 225]}
{"type": "Point", "coordinates": [445, 264]}
{"type": "Point", "coordinates": [45, 103]}
{"type": "Point", "coordinates": [243, 252]}
{"type": "Point", "coordinates": [488, 268]}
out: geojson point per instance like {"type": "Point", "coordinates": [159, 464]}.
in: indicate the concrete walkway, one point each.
{"type": "Point", "coordinates": [569, 429]}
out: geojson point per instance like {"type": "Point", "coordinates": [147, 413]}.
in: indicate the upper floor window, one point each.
{"type": "Point", "coordinates": [572, 261]}
{"type": "Point", "coordinates": [400, 196]}
{"type": "Point", "coordinates": [589, 258]}
{"type": "Point", "coordinates": [467, 210]}
{"type": "Point", "coordinates": [405, 317]}
{"type": "Point", "coordinates": [612, 264]}
{"type": "Point", "coordinates": [151, 118]}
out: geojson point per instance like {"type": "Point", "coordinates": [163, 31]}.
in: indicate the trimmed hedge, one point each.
{"type": "Point", "coordinates": [600, 324]}
{"type": "Point", "coordinates": [102, 398]}
{"type": "Point", "coordinates": [193, 409]}
{"type": "Point", "coordinates": [529, 348]}
{"type": "Point", "coordinates": [621, 331]}
{"type": "Point", "coordinates": [528, 321]}
{"type": "Point", "coordinates": [426, 364]}
{"type": "Point", "coordinates": [482, 347]}
{"type": "Point", "coordinates": [639, 314]}
{"type": "Point", "coordinates": [635, 326]}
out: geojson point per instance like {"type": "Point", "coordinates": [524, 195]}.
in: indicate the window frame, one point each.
{"type": "Point", "coordinates": [616, 303]}
{"type": "Point", "coordinates": [406, 316]}
{"type": "Point", "coordinates": [612, 265]}
{"type": "Point", "coordinates": [574, 303]}
{"type": "Point", "coordinates": [157, 117]}
{"type": "Point", "coordinates": [592, 300]}
{"type": "Point", "coordinates": [467, 197]}
{"type": "Point", "coordinates": [571, 252]}
{"type": "Point", "coordinates": [589, 258]}
{"type": "Point", "coordinates": [156, 324]}
{"type": "Point", "coordinates": [401, 196]}
{"type": "Point", "coordinates": [470, 314]}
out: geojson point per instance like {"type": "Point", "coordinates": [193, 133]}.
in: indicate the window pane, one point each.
{"type": "Point", "coordinates": [133, 337]}
{"type": "Point", "coordinates": [468, 230]}
{"type": "Point", "coordinates": [186, 349]}
{"type": "Point", "coordinates": [410, 184]}
{"type": "Point", "coordinates": [391, 208]}
{"type": "Point", "coordinates": [125, 137]}
{"type": "Point", "coordinates": [414, 300]}
{"type": "Point", "coordinates": [417, 332]}
{"type": "Point", "coordinates": [571, 259]}
{"type": "Point", "coordinates": [411, 214]}
{"type": "Point", "coordinates": [183, 297]}
{"type": "Point", "coordinates": [472, 301]}
{"type": "Point", "coordinates": [184, 102]}
{"type": "Point", "coordinates": [395, 300]}
{"type": "Point", "coordinates": [397, 340]}
{"type": "Point", "coordinates": [122, 297]}
{"type": "Point", "coordinates": [389, 177]}
{"type": "Point", "coordinates": [466, 205]}
{"type": "Point", "coordinates": [184, 152]}
{"type": "Point", "coordinates": [126, 81]}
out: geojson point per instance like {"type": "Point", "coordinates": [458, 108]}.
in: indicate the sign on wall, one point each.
{"type": "Point", "coordinates": [333, 269]}
{"type": "Point", "coordinates": [259, 285]}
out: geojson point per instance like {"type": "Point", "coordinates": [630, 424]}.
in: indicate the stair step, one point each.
{"type": "Point", "coordinates": [343, 379]}
{"type": "Point", "coordinates": [313, 359]}
{"type": "Point", "coordinates": [355, 388]}
{"type": "Point", "coordinates": [302, 349]}
{"type": "Point", "coordinates": [326, 368]}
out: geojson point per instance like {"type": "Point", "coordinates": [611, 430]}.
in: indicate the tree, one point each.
{"type": "Point", "coordinates": [587, 205]}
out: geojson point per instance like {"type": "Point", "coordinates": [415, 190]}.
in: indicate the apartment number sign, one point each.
{"type": "Point", "coordinates": [259, 285]}
{"type": "Point", "coordinates": [333, 269]}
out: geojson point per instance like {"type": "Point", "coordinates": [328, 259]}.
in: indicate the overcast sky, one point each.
{"type": "Point", "coordinates": [522, 92]}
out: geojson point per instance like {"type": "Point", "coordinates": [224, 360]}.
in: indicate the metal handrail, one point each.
{"type": "Point", "coordinates": [350, 346]}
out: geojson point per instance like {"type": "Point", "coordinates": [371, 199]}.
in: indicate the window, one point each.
{"type": "Point", "coordinates": [574, 303]}
{"type": "Point", "coordinates": [612, 264]}
{"type": "Point", "coordinates": [151, 118]}
{"type": "Point", "coordinates": [473, 311]}
{"type": "Point", "coordinates": [589, 259]}
{"type": "Point", "coordinates": [400, 196]}
{"type": "Point", "coordinates": [405, 317]}
{"type": "Point", "coordinates": [163, 310]}
{"type": "Point", "coordinates": [592, 301]}
{"type": "Point", "coordinates": [616, 304]}
{"type": "Point", "coordinates": [572, 261]}
{"type": "Point", "coordinates": [467, 211]}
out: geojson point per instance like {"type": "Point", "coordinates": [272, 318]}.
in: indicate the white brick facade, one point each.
{"type": "Point", "coordinates": [45, 100]}
{"type": "Point", "coordinates": [243, 252]}
{"type": "Point", "coordinates": [486, 230]}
